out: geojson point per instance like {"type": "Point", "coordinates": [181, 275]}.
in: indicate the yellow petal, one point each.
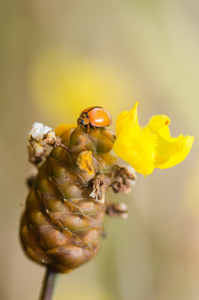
{"type": "Point", "coordinates": [150, 147]}
{"type": "Point", "coordinates": [63, 128]}
{"type": "Point", "coordinates": [160, 123]}
{"type": "Point", "coordinates": [136, 147]}
{"type": "Point", "coordinates": [171, 153]}
{"type": "Point", "coordinates": [126, 119]}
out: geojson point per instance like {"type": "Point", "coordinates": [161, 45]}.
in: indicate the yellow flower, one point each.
{"type": "Point", "coordinates": [149, 147]}
{"type": "Point", "coordinates": [63, 128]}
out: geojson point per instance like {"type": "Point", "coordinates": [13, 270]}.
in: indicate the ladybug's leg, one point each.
{"type": "Point", "coordinates": [96, 128]}
{"type": "Point", "coordinates": [88, 127]}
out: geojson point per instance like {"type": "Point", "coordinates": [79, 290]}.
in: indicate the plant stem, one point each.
{"type": "Point", "coordinates": [50, 282]}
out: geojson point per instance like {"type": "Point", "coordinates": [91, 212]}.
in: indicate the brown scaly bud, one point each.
{"type": "Point", "coordinates": [63, 219]}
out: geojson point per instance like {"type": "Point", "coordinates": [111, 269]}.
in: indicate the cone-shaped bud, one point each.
{"type": "Point", "coordinates": [62, 222]}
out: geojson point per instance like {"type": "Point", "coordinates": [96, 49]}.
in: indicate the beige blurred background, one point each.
{"type": "Point", "coordinates": [59, 57]}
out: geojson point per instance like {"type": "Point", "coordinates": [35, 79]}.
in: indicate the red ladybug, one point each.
{"type": "Point", "coordinates": [95, 116]}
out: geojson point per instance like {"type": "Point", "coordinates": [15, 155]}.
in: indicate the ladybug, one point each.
{"type": "Point", "coordinates": [95, 116]}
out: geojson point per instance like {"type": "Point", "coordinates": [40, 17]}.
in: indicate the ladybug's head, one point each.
{"type": "Point", "coordinates": [83, 119]}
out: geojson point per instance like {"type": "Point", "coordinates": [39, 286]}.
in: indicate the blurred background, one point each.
{"type": "Point", "coordinates": [59, 57]}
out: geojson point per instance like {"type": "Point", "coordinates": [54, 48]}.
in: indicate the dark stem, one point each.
{"type": "Point", "coordinates": [50, 282]}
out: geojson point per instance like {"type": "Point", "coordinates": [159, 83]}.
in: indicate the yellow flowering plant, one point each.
{"type": "Point", "coordinates": [63, 219]}
{"type": "Point", "coordinates": [151, 146]}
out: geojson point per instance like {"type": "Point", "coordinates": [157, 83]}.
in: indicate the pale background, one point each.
{"type": "Point", "coordinates": [59, 57]}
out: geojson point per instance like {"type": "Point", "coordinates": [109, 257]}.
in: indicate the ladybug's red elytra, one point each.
{"type": "Point", "coordinates": [95, 116]}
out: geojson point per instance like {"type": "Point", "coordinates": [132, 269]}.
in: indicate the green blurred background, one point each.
{"type": "Point", "coordinates": [59, 57]}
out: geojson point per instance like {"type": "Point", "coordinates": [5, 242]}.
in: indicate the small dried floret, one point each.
{"type": "Point", "coordinates": [123, 180]}
{"type": "Point", "coordinates": [117, 210]}
{"type": "Point", "coordinates": [100, 184]}
{"type": "Point", "coordinates": [38, 131]}
{"type": "Point", "coordinates": [40, 136]}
